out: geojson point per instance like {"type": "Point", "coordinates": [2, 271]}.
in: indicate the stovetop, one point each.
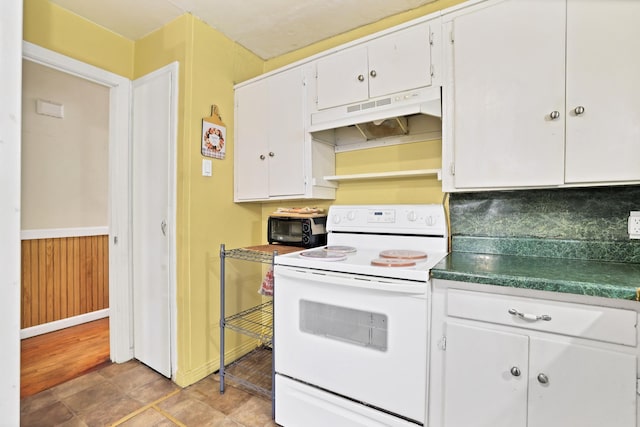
{"type": "Point", "coordinates": [373, 229]}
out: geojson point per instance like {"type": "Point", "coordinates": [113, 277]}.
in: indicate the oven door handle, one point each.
{"type": "Point", "coordinates": [338, 279]}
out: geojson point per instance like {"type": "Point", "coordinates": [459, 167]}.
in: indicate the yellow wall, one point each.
{"type": "Point", "coordinates": [52, 27]}
{"type": "Point", "coordinates": [210, 64]}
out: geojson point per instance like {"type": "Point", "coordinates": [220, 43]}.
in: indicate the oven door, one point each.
{"type": "Point", "coordinates": [356, 336]}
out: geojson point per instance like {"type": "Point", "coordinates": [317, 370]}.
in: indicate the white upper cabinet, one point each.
{"type": "Point", "coordinates": [541, 94]}
{"type": "Point", "coordinates": [251, 142]}
{"type": "Point", "coordinates": [274, 156]}
{"type": "Point", "coordinates": [603, 91]}
{"type": "Point", "coordinates": [389, 64]}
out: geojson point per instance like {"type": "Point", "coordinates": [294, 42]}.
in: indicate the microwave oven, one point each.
{"type": "Point", "coordinates": [307, 232]}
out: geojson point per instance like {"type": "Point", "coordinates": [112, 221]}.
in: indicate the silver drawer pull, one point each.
{"type": "Point", "coordinates": [531, 317]}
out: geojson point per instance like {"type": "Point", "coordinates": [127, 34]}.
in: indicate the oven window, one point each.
{"type": "Point", "coordinates": [288, 229]}
{"type": "Point", "coordinates": [362, 328]}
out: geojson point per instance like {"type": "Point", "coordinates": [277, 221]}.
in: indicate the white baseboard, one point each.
{"type": "Point", "coordinates": [63, 323]}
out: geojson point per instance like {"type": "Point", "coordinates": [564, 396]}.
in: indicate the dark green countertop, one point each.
{"type": "Point", "coordinates": [582, 277]}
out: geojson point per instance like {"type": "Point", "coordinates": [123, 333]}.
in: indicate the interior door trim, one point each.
{"type": "Point", "coordinates": [120, 320]}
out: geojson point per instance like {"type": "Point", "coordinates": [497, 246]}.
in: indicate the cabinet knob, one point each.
{"type": "Point", "coordinates": [543, 379]}
{"type": "Point", "coordinates": [360, 78]}
{"type": "Point", "coordinates": [262, 157]}
{"type": "Point", "coordinates": [515, 371]}
{"type": "Point", "coordinates": [554, 115]}
{"type": "Point", "coordinates": [373, 73]}
{"type": "Point", "coordinates": [579, 110]}
{"type": "Point", "coordinates": [271, 154]}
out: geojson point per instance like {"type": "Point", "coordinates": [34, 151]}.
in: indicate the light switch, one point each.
{"type": "Point", "coordinates": [206, 167]}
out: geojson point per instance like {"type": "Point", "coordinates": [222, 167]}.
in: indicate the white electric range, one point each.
{"type": "Point", "coordinates": [351, 319]}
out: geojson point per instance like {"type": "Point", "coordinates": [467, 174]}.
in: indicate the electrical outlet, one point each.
{"type": "Point", "coordinates": [634, 225]}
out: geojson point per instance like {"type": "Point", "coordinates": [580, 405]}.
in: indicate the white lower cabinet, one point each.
{"type": "Point", "coordinates": [509, 374]}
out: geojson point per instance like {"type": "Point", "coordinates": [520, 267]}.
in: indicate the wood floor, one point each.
{"type": "Point", "coordinates": [51, 359]}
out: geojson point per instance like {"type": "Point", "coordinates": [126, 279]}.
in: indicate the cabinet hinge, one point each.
{"type": "Point", "coordinates": [638, 386]}
{"type": "Point", "coordinates": [452, 168]}
{"type": "Point", "coordinates": [433, 72]}
{"type": "Point", "coordinates": [115, 240]}
{"type": "Point", "coordinates": [431, 38]}
{"type": "Point", "coordinates": [451, 36]}
{"type": "Point", "coordinates": [443, 343]}
{"type": "Point", "coordinates": [304, 81]}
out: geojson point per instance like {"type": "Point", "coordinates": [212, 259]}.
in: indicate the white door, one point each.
{"type": "Point", "coordinates": [369, 337]}
{"type": "Point", "coordinates": [286, 133]}
{"type": "Point", "coordinates": [400, 61]}
{"type": "Point", "coordinates": [252, 141]}
{"type": "Point", "coordinates": [508, 74]}
{"type": "Point", "coordinates": [603, 142]}
{"type": "Point", "coordinates": [575, 385]}
{"type": "Point", "coordinates": [485, 375]}
{"type": "Point", "coordinates": [343, 78]}
{"type": "Point", "coordinates": [153, 216]}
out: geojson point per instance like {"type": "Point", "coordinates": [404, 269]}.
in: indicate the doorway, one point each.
{"type": "Point", "coordinates": [120, 228]}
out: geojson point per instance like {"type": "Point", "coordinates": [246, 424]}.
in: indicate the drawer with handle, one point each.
{"type": "Point", "coordinates": [614, 325]}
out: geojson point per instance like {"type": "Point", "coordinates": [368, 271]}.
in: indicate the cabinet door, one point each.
{"type": "Point", "coordinates": [479, 387]}
{"type": "Point", "coordinates": [251, 142]}
{"type": "Point", "coordinates": [508, 77]}
{"type": "Point", "coordinates": [342, 78]}
{"type": "Point", "coordinates": [603, 66]}
{"type": "Point", "coordinates": [585, 386]}
{"type": "Point", "coordinates": [400, 61]}
{"type": "Point", "coordinates": [286, 133]}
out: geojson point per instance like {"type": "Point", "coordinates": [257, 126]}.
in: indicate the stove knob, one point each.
{"type": "Point", "coordinates": [351, 215]}
{"type": "Point", "coordinates": [431, 221]}
{"type": "Point", "coordinates": [336, 219]}
{"type": "Point", "coordinates": [412, 216]}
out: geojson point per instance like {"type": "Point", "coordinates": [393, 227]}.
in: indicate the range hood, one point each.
{"type": "Point", "coordinates": [380, 118]}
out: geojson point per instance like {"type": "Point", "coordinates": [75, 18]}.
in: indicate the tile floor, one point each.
{"type": "Point", "coordinates": [131, 394]}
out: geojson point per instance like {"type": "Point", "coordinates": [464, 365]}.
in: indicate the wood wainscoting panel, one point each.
{"type": "Point", "coordinates": [63, 277]}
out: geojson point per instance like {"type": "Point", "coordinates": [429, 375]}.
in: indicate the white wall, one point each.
{"type": "Point", "coordinates": [10, 124]}
{"type": "Point", "coordinates": [65, 161]}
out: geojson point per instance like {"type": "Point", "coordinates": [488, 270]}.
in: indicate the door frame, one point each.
{"type": "Point", "coordinates": [120, 290]}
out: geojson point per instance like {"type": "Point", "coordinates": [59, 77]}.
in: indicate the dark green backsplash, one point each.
{"type": "Point", "coordinates": [580, 223]}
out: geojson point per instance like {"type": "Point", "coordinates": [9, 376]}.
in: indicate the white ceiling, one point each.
{"type": "Point", "coordinates": [268, 28]}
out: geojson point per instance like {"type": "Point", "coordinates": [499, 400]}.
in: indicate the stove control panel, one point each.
{"type": "Point", "coordinates": [428, 219]}
{"type": "Point", "coordinates": [381, 215]}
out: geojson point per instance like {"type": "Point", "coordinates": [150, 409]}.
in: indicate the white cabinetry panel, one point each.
{"type": "Point", "coordinates": [577, 385]}
{"type": "Point", "coordinates": [275, 157]}
{"type": "Point", "coordinates": [251, 141]}
{"type": "Point", "coordinates": [508, 77]}
{"type": "Point", "coordinates": [389, 64]}
{"type": "Point", "coordinates": [603, 39]}
{"type": "Point", "coordinates": [286, 133]}
{"type": "Point", "coordinates": [400, 61]}
{"type": "Point", "coordinates": [487, 370]}
{"type": "Point", "coordinates": [479, 389]}
{"type": "Point", "coordinates": [343, 78]}
{"type": "Point", "coordinates": [539, 105]}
